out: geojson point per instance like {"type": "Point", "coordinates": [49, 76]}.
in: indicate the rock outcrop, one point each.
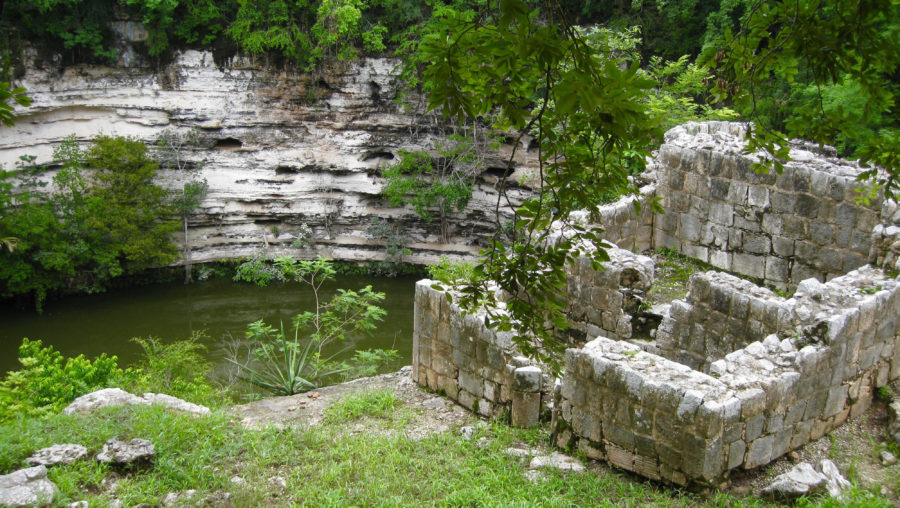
{"type": "Point", "coordinates": [27, 487]}
{"type": "Point", "coordinates": [110, 397]}
{"type": "Point", "coordinates": [280, 150]}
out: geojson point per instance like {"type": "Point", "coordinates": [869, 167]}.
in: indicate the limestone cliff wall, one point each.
{"type": "Point", "coordinates": [278, 149]}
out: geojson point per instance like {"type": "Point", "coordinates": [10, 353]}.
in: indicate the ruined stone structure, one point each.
{"type": "Point", "coordinates": [735, 376]}
{"type": "Point", "coordinates": [280, 150]}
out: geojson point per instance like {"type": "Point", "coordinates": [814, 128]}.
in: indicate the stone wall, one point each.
{"type": "Point", "coordinates": [457, 354]}
{"type": "Point", "coordinates": [721, 313]}
{"type": "Point", "coordinates": [778, 228]}
{"type": "Point", "coordinates": [663, 420]}
{"type": "Point", "coordinates": [737, 375]}
{"type": "Point", "coordinates": [603, 302]}
{"type": "Point", "coordinates": [476, 366]}
{"type": "Point", "coordinates": [628, 222]}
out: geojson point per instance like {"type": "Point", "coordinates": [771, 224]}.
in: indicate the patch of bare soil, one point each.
{"type": "Point", "coordinates": [428, 412]}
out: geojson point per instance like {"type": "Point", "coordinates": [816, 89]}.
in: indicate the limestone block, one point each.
{"type": "Point", "coordinates": [802, 480]}
{"type": "Point", "coordinates": [134, 452]}
{"type": "Point", "coordinates": [106, 397]}
{"type": "Point", "coordinates": [57, 454]}
{"type": "Point", "coordinates": [527, 379]}
{"type": "Point", "coordinates": [760, 452]}
{"type": "Point", "coordinates": [27, 487]}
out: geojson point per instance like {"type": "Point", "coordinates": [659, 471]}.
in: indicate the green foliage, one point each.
{"type": "Point", "coordinates": [273, 25]}
{"type": "Point", "coordinates": [830, 67]}
{"type": "Point", "coordinates": [47, 382]}
{"type": "Point", "coordinates": [433, 186]}
{"type": "Point", "coordinates": [367, 362]}
{"type": "Point", "coordinates": [452, 272]}
{"type": "Point", "coordinates": [394, 248]}
{"type": "Point", "coordinates": [378, 403]}
{"type": "Point", "coordinates": [78, 29]}
{"type": "Point", "coordinates": [588, 113]}
{"type": "Point", "coordinates": [103, 219]}
{"type": "Point", "coordinates": [8, 95]}
{"type": "Point", "coordinates": [173, 148]}
{"type": "Point", "coordinates": [884, 394]}
{"type": "Point", "coordinates": [288, 363]}
{"type": "Point", "coordinates": [679, 85]}
{"type": "Point", "coordinates": [178, 368]}
{"type": "Point", "coordinates": [259, 271]}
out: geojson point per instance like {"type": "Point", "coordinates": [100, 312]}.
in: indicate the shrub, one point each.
{"type": "Point", "coordinates": [178, 368]}
{"type": "Point", "coordinates": [288, 363]}
{"type": "Point", "coordinates": [47, 381]}
{"type": "Point", "coordinates": [452, 272]}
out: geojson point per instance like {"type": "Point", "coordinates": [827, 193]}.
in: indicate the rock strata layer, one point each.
{"type": "Point", "coordinates": [281, 151]}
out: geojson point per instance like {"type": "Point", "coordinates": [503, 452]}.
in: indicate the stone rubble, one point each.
{"type": "Point", "coordinates": [802, 480]}
{"type": "Point", "coordinates": [805, 480]}
{"type": "Point", "coordinates": [136, 452]}
{"type": "Point", "coordinates": [57, 454]}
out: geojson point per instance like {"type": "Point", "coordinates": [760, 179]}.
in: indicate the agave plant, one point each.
{"type": "Point", "coordinates": [285, 364]}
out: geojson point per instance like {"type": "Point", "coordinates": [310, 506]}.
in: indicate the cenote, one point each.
{"type": "Point", "coordinates": [105, 323]}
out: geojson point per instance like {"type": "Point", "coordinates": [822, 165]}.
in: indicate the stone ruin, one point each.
{"type": "Point", "coordinates": [733, 376]}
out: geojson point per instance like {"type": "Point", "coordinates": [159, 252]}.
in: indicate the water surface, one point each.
{"type": "Point", "coordinates": [104, 323]}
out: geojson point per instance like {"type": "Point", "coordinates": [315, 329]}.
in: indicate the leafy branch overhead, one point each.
{"type": "Point", "coordinates": [839, 58]}
{"type": "Point", "coordinates": [587, 112]}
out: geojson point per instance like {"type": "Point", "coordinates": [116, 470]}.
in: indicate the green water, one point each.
{"type": "Point", "coordinates": [104, 323]}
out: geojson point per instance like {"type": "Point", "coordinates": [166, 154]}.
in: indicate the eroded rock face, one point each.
{"type": "Point", "coordinates": [278, 149]}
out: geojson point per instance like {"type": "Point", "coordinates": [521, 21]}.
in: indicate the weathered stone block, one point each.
{"type": "Point", "coordinates": [760, 452]}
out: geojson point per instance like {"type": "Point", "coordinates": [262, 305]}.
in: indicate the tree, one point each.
{"type": "Point", "coordinates": [434, 186]}
{"type": "Point", "coordinates": [103, 218]}
{"type": "Point", "coordinates": [819, 47]}
{"type": "Point", "coordinates": [173, 147]}
{"type": "Point", "coordinates": [587, 110]}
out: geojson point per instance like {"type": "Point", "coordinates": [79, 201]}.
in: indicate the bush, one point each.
{"type": "Point", "coordinates": [294, 362]}
{"type": "Point", "coordinates": [47, 382]}
{"type": "Point", "coordinates": [179, 369]}
{"type": "Point", "coordinates": [452, 272]}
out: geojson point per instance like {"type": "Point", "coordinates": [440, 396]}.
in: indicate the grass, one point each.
{"type": "Point", "coordinates": [673, 272]}
{"type": "Point", "coordinates": [377, 403]}
{"type": "Point", "coordinates": [327, 466]}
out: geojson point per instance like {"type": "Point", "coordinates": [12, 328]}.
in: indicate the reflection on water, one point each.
{"type": "Point", "coordinates": [104, 323]}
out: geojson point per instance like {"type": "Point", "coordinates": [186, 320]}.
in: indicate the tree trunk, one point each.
{"type": "Point", "coordinates": [187, 251]}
